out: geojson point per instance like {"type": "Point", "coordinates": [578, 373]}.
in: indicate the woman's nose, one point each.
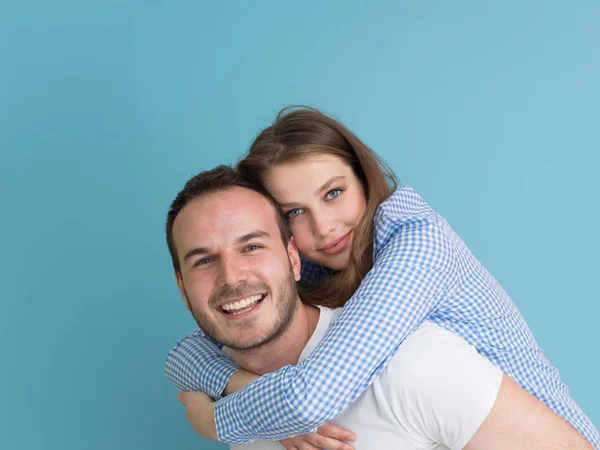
{"type": "Point", "coordinates": [323, 225]}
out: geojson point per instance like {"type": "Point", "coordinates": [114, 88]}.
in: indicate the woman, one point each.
{"type": "Point", "coordinates": [384, 255]}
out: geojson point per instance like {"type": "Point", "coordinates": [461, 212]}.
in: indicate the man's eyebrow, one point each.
{"type": "Point", "coordinates": [253, 235]}
{"type": "Point", "coordinates": [195, 252]}
{"type": "Point", "coordinates": [242, 239]}
{"type": "Point", "coordinates": [319, 191]}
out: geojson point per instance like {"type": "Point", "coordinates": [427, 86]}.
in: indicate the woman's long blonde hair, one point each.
{"type": "Point", "coordinates": [299, 131]}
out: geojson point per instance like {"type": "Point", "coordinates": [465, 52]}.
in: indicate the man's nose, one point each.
{"type": "Point", "coordinates": [232, 271]}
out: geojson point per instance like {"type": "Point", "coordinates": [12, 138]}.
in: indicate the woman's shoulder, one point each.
{"type": "Point", "coordinates": [403, 213]}
{"type": "Point", "coordinates": [311, 273]}
{"type": "Point", "coordinates": [404, 205]}
{"type": "Point", "coordinates": [409, 223]}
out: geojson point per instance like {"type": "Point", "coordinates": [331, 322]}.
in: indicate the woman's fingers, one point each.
{"type": "Point", "coordinates": [328, 436]}
{"type": "Point", "coordinates": [334, 431]}
{"type": "Point", "coordinates": [290, 443]}
{"type": "Point", "coordinates": [325, 442]}
{"type": "Point", "coordinates": [305, 442]}
{"type": "Point", "coordinates": [305, 445]}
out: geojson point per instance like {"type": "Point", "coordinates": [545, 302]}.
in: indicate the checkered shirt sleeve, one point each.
{"type": "Point", "coordinates": [197, 363]}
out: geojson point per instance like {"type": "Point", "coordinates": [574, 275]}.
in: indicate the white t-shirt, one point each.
{"type": "Point", "coordinates": [434, 394]}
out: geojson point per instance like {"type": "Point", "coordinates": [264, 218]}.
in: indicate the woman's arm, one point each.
{"type": "Point", "coordinates": [239, 380]}
{"type": "Point", "coordinates": [197, 363]}
{"type": "Point", "coordinates": [413, 272]}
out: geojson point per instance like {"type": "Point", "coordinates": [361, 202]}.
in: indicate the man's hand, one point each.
{"type": "Point", "coordinates": [328, 436]}
{"type": "Point", "coordinates": [200, 413]}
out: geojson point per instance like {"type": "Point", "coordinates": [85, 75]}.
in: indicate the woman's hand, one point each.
{"type": "Point", "coordinates": [200, 413]}
{"type": "Point", "coordinates": [328, 436]}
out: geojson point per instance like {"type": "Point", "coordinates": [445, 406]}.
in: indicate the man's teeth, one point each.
{"type": "Point", "coordinates": [240, 304]}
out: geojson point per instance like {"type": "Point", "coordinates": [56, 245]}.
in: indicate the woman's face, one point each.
{"type": "Point", "coordinates": [323, 201]}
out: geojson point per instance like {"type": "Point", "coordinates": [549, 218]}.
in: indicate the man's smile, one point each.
{"type": "Point", "coordinates": [242, 307]}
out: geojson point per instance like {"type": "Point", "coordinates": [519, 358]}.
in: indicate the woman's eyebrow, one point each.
{"type": "Point", "coordinates": [320, 190]}
{"type": "Point", "coordinates": [328, 184]}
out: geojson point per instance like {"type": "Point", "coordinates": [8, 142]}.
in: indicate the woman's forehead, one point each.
{"type": "Point", "coordinates": [306, 177]}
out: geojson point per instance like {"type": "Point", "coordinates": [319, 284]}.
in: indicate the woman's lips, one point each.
{"type": "Point", "coordinates": [337, 246]}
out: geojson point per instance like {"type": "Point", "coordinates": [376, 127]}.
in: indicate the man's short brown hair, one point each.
{"type": "Point", "coordinates": [220, 178]}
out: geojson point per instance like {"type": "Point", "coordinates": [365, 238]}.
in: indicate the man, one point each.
{"type": "Point", "coordinates": [237, 267]}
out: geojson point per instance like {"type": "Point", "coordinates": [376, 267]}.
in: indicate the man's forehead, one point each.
{"type": "Point", "coordinates": [239, 199]}
{"type": "Point", "coordinates": [229, 211]}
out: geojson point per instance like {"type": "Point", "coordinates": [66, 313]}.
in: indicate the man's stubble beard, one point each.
{"type": "Point", "coordinates": [286, 308]}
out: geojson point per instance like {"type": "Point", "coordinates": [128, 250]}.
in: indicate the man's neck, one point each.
{"type": "Point", "coordinates": [286, 349]}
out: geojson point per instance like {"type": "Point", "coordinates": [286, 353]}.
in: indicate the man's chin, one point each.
{"type": "Point", "coordinates": [244, 344]}
{"type": "Point", "coordinates": [249, 341]}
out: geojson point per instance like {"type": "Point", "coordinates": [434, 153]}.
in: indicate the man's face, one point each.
{"type": "Point", "coordinates": [237, 276]}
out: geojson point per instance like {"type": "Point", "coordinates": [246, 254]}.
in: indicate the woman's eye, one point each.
{"type": "Point", "coordinates": [293, 213]}
{"type": "Point", "coordinates": [333, 194]}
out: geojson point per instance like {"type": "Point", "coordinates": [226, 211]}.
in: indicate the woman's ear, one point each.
{"type": "Point", "coordinates": [294, 256]}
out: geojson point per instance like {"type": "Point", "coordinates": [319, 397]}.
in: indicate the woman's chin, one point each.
{"type": "Point", "coordinates": [334, 262]}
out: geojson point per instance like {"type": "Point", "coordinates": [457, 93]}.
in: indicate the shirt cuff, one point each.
{"type": "Point", "coordinates": [211, 377]}
{"type": "Point", "coordinates": [223, 370]}
{"type": "Point", "coordinates": [230, 422]}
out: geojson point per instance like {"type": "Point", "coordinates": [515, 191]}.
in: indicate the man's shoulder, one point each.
{"type": "Point", "coordinates": [329, 314]}
{"type": "Point", "coordinates": [431, 340]}
{"type": "Point", "coordinates": [432, 359]}
{"type": "Point", "coordinates": [429, 352]}
{"type": "Point", "coordinates": [438, 386]}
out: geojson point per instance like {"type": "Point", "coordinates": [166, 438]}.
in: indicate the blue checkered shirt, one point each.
{"type": "Point", "coordinates": [422, 270]}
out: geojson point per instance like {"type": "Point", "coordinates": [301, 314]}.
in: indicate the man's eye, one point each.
{"type": "Point", "coordinates": [202, 261]}
{"type": "Point", "coordinates": [252, 247]}
{"type": "Point", "coordinates": [333, 194]}
{"type": "Point", "coordinates": [293, 213]}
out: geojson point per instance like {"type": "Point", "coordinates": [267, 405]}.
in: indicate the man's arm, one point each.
{"type": "Point", "coordinates": [520, 421]}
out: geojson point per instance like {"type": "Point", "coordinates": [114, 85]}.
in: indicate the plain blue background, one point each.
{"type": "Point", "coordinates": [489, 109]}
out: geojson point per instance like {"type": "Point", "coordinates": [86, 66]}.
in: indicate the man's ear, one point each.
{"type": "Point", "coordinates": [181, 289]}
{"type": "Point", "coordinates": [294, 256]}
